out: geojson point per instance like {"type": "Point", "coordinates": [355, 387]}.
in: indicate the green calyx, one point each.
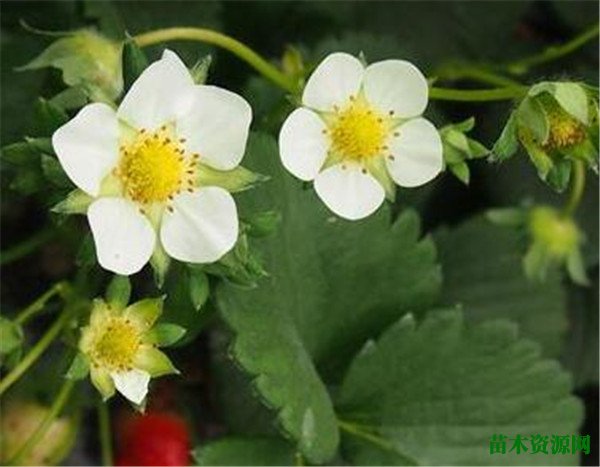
{"type": "Point", "coordinates": [558, 234]}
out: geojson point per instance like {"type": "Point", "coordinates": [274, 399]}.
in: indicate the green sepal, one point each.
{"type": "Point", "coordinates": [70, 98]}
{"type": "Point", "coordinates": [508, 143]}
{"type": "Point", "coordinates": [134, 62]}
{"type": "Point", "coordinates": [200, 69]}
{"type": "Point", "coordinates": [536, 263]}
{"type": "Point", "coordinates": [461, 171]}
{"type": "Point", "coordinates": [147, 310]}
{"type": "Point", "coordinates": [531, 114]}
{"type": "Point", "coordinates": [199, 287]}
{"type": "Point", "coordinates": [11, 336]}
{"type": "Point", "coordinates": [76, 202]}
{"type": "Point", "coordinates": [118, 292]}
{"type": "Point", "coordinates": [164, 334]}
{"type": "Point", "coordinates": [377, 168]}
{"type": "Point", "coordinates": [79, 368]}
{"type": "Point", "coordinates": [571, 96]}
{"type": "Point", "coordinates": [262, 224]}
{"type": "Point", "coordinates": [235, 180]}
{"type": "Point", "coordinates": [540, 158]}
{"type": "Point", "coordinates": [103, 382]}
{"type": "Point", "coordinates": [54, 172]}
{"type": "Point", "coordinates": [559, 175]}
{"type": "Point", "coordinates": [155, 362]}
{"type": "Point", "coordinates": [48, 117]}
{"type": "Point", "coordinates": [160, 262]}
{"type": "Point", "coordinates": [86, 59]}
{"type": "Point", "coordinates": [457, 148]}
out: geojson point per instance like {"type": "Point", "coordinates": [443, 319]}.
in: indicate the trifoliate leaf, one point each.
{"type": "Point", "coordinates": [86, 59]}
{"type": "Point", "coordinates": [199, 287]}
{"type": "Point", "coordinates": [482, 266]}
{"type": "Point", "coordinates": [332, 284]}
{"type": "Point", "coordinates": [118, 292]}
{"type": "Point", "coordinates": [435, 394]}
{"type": "Point", "coordinates": [245, 451]}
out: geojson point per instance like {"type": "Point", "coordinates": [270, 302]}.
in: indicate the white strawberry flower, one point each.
{"type": "Point", "coordinates": [140, 164]}
{"type": "Point", "coordinates": [360, 132]}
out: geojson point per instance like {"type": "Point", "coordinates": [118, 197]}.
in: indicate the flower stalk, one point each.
{"type": "Point", "coordinates": [577, 188]}
{"type": "Point", "coordinates": [35, 307]}
{"type": "Point", "coordinates": [105, 435]}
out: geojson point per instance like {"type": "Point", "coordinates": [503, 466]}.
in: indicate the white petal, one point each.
{"type": "Point", "coordinates": [302, 144]}
{"type": "Point", "coordinates": [216, 126]}
{"type": "Point", "coordinates": [336, 78]}
{"type": "Point", "coordinates": [417, 153]}
{"type": "Point", "coordinates": [202, 227]}
{"type": "Point", "coordinates": [349, 192]}
{"type": "Point", "coordinates": [88, 146]}
{"type": "Point", "coordinates": [124, 238]}
{"type": "Point", "coordinates": [396, 85]}
{"type": "Point", "coordinates": [133, 384]}
{"type": "Point", "coordinates": [159, 95]}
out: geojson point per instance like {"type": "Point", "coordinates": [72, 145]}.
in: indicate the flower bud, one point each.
{"type": "Point", "coordinates": [19, 421]}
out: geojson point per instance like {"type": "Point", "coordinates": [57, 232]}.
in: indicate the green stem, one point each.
{"type": "Point", "coordinates": [458, 71]}
{"type": "Point", "coordinates": [105, 435]}
{"type": "Point", "coordinates": [38, 434]}
{"type": "Point", "coordinates": [25, 248]}
{"type": "Point", "coordinates": [38, 305]}
{"type": "Point", "coordinates": [577, 187]}
{"type": "Point", "coordinates": [221, 40]}
{"type": "Point", "coordinates": [520, 67]}
{"type": "Point", "coordinates": [477, 95]}
{"type": "Point", "coordinates": [363, 433]}
{"type": "Point", "coordinates": [36, 351]}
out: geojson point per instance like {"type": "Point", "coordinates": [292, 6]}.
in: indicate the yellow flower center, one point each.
{"type": "Point", "coordinates": [116, 344]}
{"type": "Point", "coordinates": [565, 131]}
{"type": "Point", "coordinates": [358, 131]}
{"type": "Point", "coordinates": [154, 167]}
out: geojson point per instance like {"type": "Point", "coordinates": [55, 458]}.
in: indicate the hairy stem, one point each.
{"type": "Point", "coordinates": [221, 40]}
{"type": "Point", "coordinates": [38, 305]}
{"type": "Point", "coordinates": [456, 71]}
{"type": "Point", "coordinates": [520, 67]}
{"type": "Point", "coordinates": [37, 350]}
{"type": "Point", "coordinates": [105, 434]}
{"type": "Point", "coordinates": [38, 434]}
{"type": "Point", "coordinates": [577, 187]}
{"type": "Point", "coordinates": [477, 95]}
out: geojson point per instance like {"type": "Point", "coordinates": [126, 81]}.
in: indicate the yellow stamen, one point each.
{"type": "Point", "coordinates": [358, 131]}
{"type": "Point", "coordinates": [565, 131]}
{"type": "Point", "coordinates": [116, 343]}
{"type": "Point", "coordinates": [152, 166]}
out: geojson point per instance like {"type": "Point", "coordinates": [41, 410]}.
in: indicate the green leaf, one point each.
{"type": "Point", "coordinates": [118, 292]}
{"type": "Point", "coordinates": [199, 287]}
{"type": "Point", "coordinates": [245, 451]}
{"type": "Point", "coordinates": [262, 224]}
{"type": "Point", "coordinates": [165, 334]}
{"type": "Point", "coordinates": [332, 284]}
{"type": "Point", "coordinates": [134, 62]}
{"type": "Point", "coordinates": [79, 368]}
{"type": "Point", "coordinates": [86, 59]}
{"type": "Point", "coordinates": [11, 336]}
{"type": "Point", "coordinates": [435, 394]}
{"type": "Point", "coordinates": [483, 271]}
{"type": "Point", "coordinates": [507, 143]}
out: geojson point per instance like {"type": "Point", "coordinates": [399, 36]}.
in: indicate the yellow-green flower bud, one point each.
{"type": "Point", "coordinates": [19, 421]}
{"type": "Point", "coordinates": [558, 234]}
